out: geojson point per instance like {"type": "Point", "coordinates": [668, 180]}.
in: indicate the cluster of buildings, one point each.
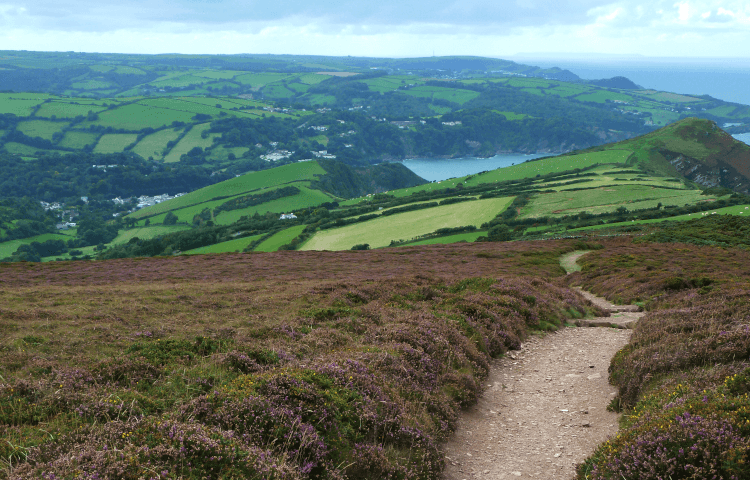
{"type": "Point", "coordinates": [146, 201]}
{"type": "Point", "coordinates": [277, 155]}
{"type": "Point", "coordinates": [323, 154]}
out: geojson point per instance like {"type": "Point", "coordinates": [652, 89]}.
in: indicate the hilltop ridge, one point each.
{"type": "Point", "coordinates": [694, 149]}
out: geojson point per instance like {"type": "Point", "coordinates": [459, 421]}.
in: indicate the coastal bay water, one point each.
{"type": "Point", "coordinates": [743, 137]}
{"type": "Point", "coordinates": [444, 168]}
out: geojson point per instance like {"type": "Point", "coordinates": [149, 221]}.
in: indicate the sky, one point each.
{"type": "Point", "coordinates": [383, 28]}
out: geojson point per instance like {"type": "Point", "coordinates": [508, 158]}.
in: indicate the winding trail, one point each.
{"type": "Point", "coordinates": [544, 408]}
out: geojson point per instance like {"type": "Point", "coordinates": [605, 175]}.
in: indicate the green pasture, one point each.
{"type": "Point", "coordinates": [451, 94]}
{"type": "Point", "coordinates": [137, 117]}
{"type": "Point", "coordinates": [246, 183]}
{"type": "Point", "coordinates": [21, 107]}
{"type": "Point", "coordinates": [179, 81]}
{"type": "Point", "coordinates": [21, 149]}
{"type": "Point", "coordinates": [191, 140]}
{"type": "Point", "coordinates": [41, 128]}
{"type": "Point", "coordinates": [222, 102]}
{"type": "Point", "coordinates": [321, 139]}
{"type": "Point", "coordinates": [512, 115]}
{"type": "Point", "coordinates": [61, 109]}
{"type": "Point", "coordinates": [101, 68]}
{"type": "Point", "coordinates": [567, 90]}
{"type": "Point", "coordinates": [73, 139]}
{"type": "Point", "coordinates": [321, 99]}
{"type": "Point", "coordinates": [146, 233]}
{"type": "Point", "coordinates": [743, 210]}
{"type": "Point", "coordinates": [236, 245]}
{"type": "Point", "coordinates": [153, 145]}
{"type": "Point", "coordinates": [544, 166]}
{"type": "Point", "coordinates": [91, 84]}
{"type": "Point", "coordinates": [277, 91]}
{"type": "Point", "coordinates": [439, 109]}
{"type": "Point", "coordinates": [258, 80]}
{"type": "Point", "coordinates": [608, 199]}
{"type": "Point", "coordinates": [114, 142]}
{"type": "Point", "coordinates": [306, 198]}
{"type": "Point", "coordinates": [298, 87]}
{"type": "Point", "coordinates": [221, 153]}
{"type": "Point", "coordinates": [404, 226]}
{"type": "Point", "coordinates": [7, 248]}
{"type": "Point", "coordinates": [278, 239]}
{"type": "Point", "coordinates": [669, 97]}
{"type": "Point", "coordinates": [126, 70]}
{"type": "Point", "coordinates": [313, 78]}
{"type": "Point", "coordinates": [527, 82]}
{"type": "Point", "coordinates": [461, 237]}
{"type": "Point", "coordinates": [218, 74]}
{"type": "Point", "coordinates": [534, 91]}
{"type": "Point", "coordinates": [602, 96]}
{"type": "Point", "coordinates": [185, 104]}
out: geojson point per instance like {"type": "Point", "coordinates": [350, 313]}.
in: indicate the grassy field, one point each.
{"type": "Point", "coordinates": [62, 109]}
{"type": "Point", "coordinates": [451, 94]}
{"type": "Point", "coordinates": [191, 140]}
{"type": "Point", "coordinates": [236, 186]}
{"type": "Point", "coordinates": [7, 248]}
{"type": "Point", "coordinates": [602, 96]}
{"type": "Point", "coordinates": [146, 233]}
{"type": "Point", "coordinates": [260, 79]}
{"type": "Point", "coordinates": [550, 165]}
{"type": "Point", "coordinates": [77, 139]}
{"type": "Point", "coordinates": [138, 117]}
{"type": "Point", "coordinates": [281, 238]}
{"type": "Point", "coordinates": [236, 245]}
{"type": "Point", "coordinates": [41, 128]}
{"type": "Point", "coordinates": [380, 232]}
{"type": "Point", "coordinates": [21, 149]}
{"type": "Point", "coordinates": [306, 198]}
{"type": "Point", "coordinates": [743, 210]}
{"type": "Point", "coordinates": [114, 142]}
{"type": "Point", "coordinates": [461, 237]}
{"type": "Point", "coordinates": [608, 199]}
{"type": "Point", "coordinates": [154, 144]}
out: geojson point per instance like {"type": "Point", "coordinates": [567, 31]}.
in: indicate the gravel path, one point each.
{"type": "Point", "coordinates": [544, 408]}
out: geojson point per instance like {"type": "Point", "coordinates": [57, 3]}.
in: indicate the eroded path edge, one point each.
{"type": "Point", "coordinates": [544, 407]}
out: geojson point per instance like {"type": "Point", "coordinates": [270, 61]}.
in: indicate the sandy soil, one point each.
{"type": "Point", "coordinates": [544, 408]}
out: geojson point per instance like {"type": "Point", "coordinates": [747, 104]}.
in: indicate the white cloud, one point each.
{"type": "Point", "coordinates": [386, 27]}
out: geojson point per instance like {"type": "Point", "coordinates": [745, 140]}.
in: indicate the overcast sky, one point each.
{"type": "Point", "coordinates": [392, 28]}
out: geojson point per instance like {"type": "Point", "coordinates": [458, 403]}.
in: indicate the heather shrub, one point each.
{"type": "Point", "coordinates": [247, 368]}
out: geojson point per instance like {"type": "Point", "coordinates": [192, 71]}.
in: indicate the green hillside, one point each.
{"type": "Point", "coordinates": [695, 149]}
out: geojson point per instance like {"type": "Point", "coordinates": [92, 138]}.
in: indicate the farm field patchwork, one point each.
{"type": "Point", "coordinates": [73, 139]}
{"type": "Point", "coordinates": [379, 232]}
{"type": "Point", "coordinates": [153, 145]}
{"type": "Point", "coordinates": [63, 109]}
{"type": "Point", "coordinates": [283, 237]}
{"type": "Point", "coordinates": [236, 186]}
{"type": "Point", "coordinates": [191, 140]}
{"type": "Point", "coordinates": [114, 142]}
{"type": "Point", "coordinates": [743, 210]}
{"type": "Point", "coordinates": [306, 198]}
{"type": "Point", "coordinates": [609, 199]}
{"type": "Point", "coordinates": [550, 165]}
{"type": "Point", "coordinates": [138, 117]}
{"type": "Point", "coordinates": [7, 248]}
{"type": "Point", "coordinates": [41, 128]}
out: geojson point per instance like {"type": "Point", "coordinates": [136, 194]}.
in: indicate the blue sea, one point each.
{"type": "Point", "coordinates": [723, 78]}
{"type": "Point", "coordinates": [437, 169]}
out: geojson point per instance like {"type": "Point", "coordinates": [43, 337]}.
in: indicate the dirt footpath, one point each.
{"type": "Point", "coordinates": [544, 408]}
